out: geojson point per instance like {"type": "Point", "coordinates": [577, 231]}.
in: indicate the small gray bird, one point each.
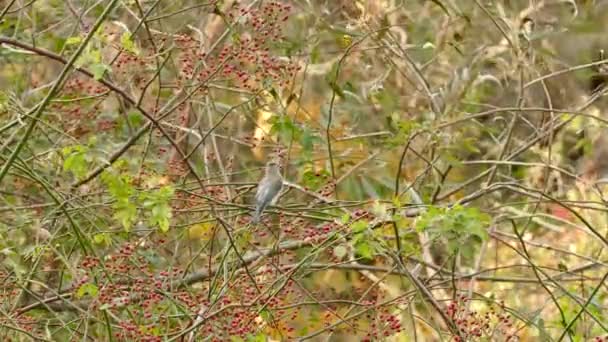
{"type": "Point", "coordinates": [268, 190]}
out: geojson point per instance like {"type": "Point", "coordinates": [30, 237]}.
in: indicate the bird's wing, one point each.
{"type": "Point", "coordinates": [275, 188]}
{"type": "Point", "coordinates": [262, 190]}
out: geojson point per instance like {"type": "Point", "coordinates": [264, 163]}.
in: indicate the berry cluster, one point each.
{"type": "Point", "coordinates": [474, 326]}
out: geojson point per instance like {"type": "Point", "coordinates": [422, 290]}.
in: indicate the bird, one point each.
{"type": "Point", "coordinates": [268, 189]}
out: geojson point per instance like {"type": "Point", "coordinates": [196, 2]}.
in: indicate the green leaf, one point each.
{"type": "Point", "coordinates": [99, 70]}
{"type": "Point", "coordinates": [344, 41]}
{"type": "Point", "coordinates": [102, 239]}
{"type": "Point", "coordinates": [87, 289]}
{"type": "Point", "coordinates": [285, 127]}
{"type": "Point", "coordinates": [127, 43]}
{"type": "Point", "coordinates": [470, 144]}
{"type": "Point", "coordinates": [158, 205]}
{"type": "Point", "coordinates": [75, 160]}
{"type": "Point", "coordinates": [359, 226]}
{"type": "Point", "coordinates": [126, 214]}
{"type": "Point", "coordinates": [166, 192]}
{"type": "Point", "coordinates": [402, 129]}
{"type": "Point", "coordinates": [457, 225]}
{"type": "Point", "coordinates": [119, 186]}
{"type": "Point", "coordinates": [160, 217]}
{"type": "Point", "coordinates": [314, 180]}
{"type": "Point", "coordinates": [364, 250]}
{"type": "Point", "coordinates": [396, 202]}
{"type": "Point", "coordinates": [307, 140]}
{"type": "Point", "coordinates": [260, 337]}
{"type": "Point", "coordinates": [73, 40]}
{"type": "Point", "coordinates": [265, 314]}
{"type": "Point", "coordinates": [89, 57]}
{"type": "Point", "coordinates": [135, 118]}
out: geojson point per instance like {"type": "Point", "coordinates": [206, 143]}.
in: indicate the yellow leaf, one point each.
{"type": "Point", "coordinates": [201, 231]}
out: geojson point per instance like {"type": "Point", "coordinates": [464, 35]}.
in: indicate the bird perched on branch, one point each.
{"type": "Point", "coordinates": [268, 189]}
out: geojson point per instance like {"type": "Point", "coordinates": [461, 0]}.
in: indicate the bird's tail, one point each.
{"type": "Point", "coordinates": [256, 215]}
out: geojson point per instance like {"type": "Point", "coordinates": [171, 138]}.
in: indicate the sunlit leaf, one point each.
{"type": "Point", "coordinates": [99, 70]}
{"type": "Point", "coordinates": [87, 289]}
{"type": "Point", "coordinates": [127, 43]}
{"type": "Point", "coordinates": [73, 40]}
{"type": "Point", "coordinates": [359, 226]}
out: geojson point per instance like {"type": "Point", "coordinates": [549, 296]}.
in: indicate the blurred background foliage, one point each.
{"type": "Point", "coordinates": [443, 163]}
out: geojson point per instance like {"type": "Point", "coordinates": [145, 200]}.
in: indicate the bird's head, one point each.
{"type": "Point", "coordinates": [273, 166]}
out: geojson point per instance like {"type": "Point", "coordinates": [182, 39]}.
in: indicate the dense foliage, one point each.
{"type": "Point", "coordinates": [442, 162]}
